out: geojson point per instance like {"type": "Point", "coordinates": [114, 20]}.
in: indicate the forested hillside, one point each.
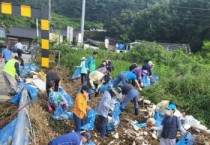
{"type": "Point", "coordinates": [180, 21]}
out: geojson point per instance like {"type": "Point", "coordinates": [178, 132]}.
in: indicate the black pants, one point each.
{"type": "Point", "coordinates": [103, 123]}
{"type": "Point", "coordinates": [83, 78]}
{"type": "Point", "coordinates": [19, 52]}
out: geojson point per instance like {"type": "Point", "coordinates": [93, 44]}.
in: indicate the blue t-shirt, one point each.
{"type": "Point", "coordinates": [7, 54]}
{"type": "Point", "coordinates": [130, 76]}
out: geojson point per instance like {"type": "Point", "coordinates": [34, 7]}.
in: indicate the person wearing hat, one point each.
{"type": "Point", "coordinates": [148, 67]}
{"type": "Point", "coordinates": [96, 79]}
{"type": "Point", "coordinates": [125, 77]}
{"type": "Point", "coordinates": [131, 93]}
{"type": "Point", "coordinates": [6, 54]}
{"type": "Point", "coordinates": [81, 107]}
{"type": "Point", "coordinates": [105, 107]}
{"type": "Point", "coordinates": [11, 73]}
{"type": "Point", "coordinates": [83, 70]}
{"type": "Point", "coordinates": [169, 127]}
{"type": "Point", "coordinates": [71, 138]}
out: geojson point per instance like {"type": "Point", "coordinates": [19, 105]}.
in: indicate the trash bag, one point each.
{"type": "Point", "coordinates": [106, 87]}
{"type": "Point", "coordinates": [158, 118]}
{"type": "Point", "coordinates": [61, 114]}
{"type": "Point", "coordinates": [25, 70]}
{"type": "Point", "coordinates": [115, 116]}
{"type": "Point", "coordinates": [15, 98]}
{"type": "Point", "coordinates": [187, 139]}
{"type": "Point", "coordinates": [7, 132]}
{"type": "Point", "coordinates": [146, 81]}
{"type": "Point", "coordinates": [91, 115]}
{"type": "Point", "coordinates": [76, 74]}
{"type": "Point", "coordinates": [67, 96]}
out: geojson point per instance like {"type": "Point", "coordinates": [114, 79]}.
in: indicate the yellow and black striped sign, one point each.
{"type": "Point", "coordinates": [27, 11]}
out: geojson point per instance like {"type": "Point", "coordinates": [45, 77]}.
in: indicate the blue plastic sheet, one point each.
{"type": "Point", "coordinates": [31, 91]}
{"type": "Point", "coordinates": [91, 115]}
{"type": "Point", "coordinates": [187, 139]}
{"type": "Point", "coordinates": [61, 114]}
{"type": "Point", "coordinates": [7, 132]}
{"type": "Point", "coordinates": [115, 116]}
{"type": "Point", "coordinates": [25, 70]}
{"type": "Point", "coordinates": [67, 96]}
{"type": "Point", "coordinates": [76, 74]}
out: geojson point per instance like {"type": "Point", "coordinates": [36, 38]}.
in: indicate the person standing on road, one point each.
{"type": "Point", "coordinates": [19, 47]}
{"type": "Point", "coordinates": [81, 108]}
{"type": "Point", "coordinates": [6, 54]}
{"type": "Point", "coordinates": [11, 73]}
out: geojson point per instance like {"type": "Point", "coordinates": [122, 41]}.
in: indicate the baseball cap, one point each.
{"type": "Point", "coordinates": [171, 107]}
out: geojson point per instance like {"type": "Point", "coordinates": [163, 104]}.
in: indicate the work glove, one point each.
{"type": "Point", "coordinates": [63, 103]}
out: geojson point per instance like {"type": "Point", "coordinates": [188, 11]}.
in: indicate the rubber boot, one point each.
{"type": "Point", "coordinates": [136, 111]}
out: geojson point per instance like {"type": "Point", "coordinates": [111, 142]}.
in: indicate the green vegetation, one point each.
{"type": "Point", "coordinates": [183, 77]}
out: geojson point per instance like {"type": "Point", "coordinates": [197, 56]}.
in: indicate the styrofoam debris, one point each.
{"type": "Point", "coordinates": [147, 102]}
{"type": "Point", "coordinates": [145, 133]}
{"type": "Point", "coordinates": [116, 135]}
{"type": "Point", "coordinates": [208, 131]}
{"type": "Point", "coordinates": [200, 127]}
{"type": "Point", "coordinates": [154, 136]}
{"type": "Point", "coordinates": [39, 84]}
{"type": "Point", "coordinates": [186, 126]}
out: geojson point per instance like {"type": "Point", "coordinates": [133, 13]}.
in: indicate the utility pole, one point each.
{"type": "Point", "coordinates": [82, 21]}
{"type": "Point", "coordinates": [50, 11]}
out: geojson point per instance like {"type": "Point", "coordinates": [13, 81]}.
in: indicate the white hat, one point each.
{"type": "Point", "coordinates": [150, 63]}
{"type": "Point", "coordinates": [83, 58]}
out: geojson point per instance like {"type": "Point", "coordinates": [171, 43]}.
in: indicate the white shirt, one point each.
{"type": "Point", "coordinates": [18, 45]}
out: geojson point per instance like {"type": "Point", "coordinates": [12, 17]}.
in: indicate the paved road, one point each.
{"type": "Point", "coordinates": [3, 91]}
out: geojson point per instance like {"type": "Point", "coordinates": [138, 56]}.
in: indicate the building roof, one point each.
{"type": "Point", "coordinates": [31, 32]}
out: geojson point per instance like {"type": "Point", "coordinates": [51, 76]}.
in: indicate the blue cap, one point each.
{"type": "Point", "coordinates": [171, 107]}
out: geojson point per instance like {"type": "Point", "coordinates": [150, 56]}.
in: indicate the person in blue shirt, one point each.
{"type": "Point", "coordinates": [83, 70]}
{"type": "Point", "coordinates": [6, 54]}
{"type": "Point", "coordinates": [125, 77]}
{"type": "Point", "coordinates": [71, 138]}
